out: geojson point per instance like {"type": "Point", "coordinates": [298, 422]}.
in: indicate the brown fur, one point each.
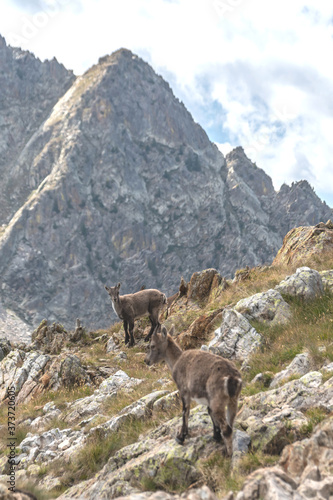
{"type": "Point", "coordinates": [134, 305]}
{"type": "Point", "coordinates": [202, 376]}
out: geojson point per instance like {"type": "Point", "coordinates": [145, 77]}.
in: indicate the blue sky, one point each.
{"type": "Point", "coordinates": [252, 73]}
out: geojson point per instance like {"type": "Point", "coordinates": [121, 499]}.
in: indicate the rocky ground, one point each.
{"type": "Point", "coordinates": [94, 422]}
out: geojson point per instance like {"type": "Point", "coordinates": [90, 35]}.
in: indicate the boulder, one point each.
{"type": "Point", "coordinates": [299, 366]}
{"type": "Point", "coordinates": [33, 372]}
{"type": "Point", "coordinates": [202, 283]}
{"type": "Point", "coordinates": [236, 338]}
{"type": "Point", "coordinates": [306, 284]}
{"type": "Point", "coordinates": [49, 338]}
{"type": "Point", "coordinates": [305, 242]}
{"type": "Point", "coordinates": [267, 307]}
{"type": "Point", "coordinates": [86, 407]}
{"type": "Point", "coordinates": [271, 418]}
{"type": "Point", "coordinates": [198, 331]}
{"type": "Point", "coordinates": [304, 471]}
{"type": "Point", "coordinates": [203, 493]}
{"type": "Point", "coordinates": [156, 458]}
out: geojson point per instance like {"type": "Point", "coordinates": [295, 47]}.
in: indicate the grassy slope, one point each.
{"type": "Point", "coordinates": [311, 328]}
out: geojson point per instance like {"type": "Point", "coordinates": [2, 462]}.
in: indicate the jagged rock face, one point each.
{"type": "Point", "coordinates": [133, 192]}
{"type": "Point", "coordinates": [264, 215]}
{"type": "Point", "coordinates": [29, 90]}
{"type": "Point", "coordinates": [127, 187]}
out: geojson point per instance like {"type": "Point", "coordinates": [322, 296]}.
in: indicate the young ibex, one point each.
{"type": "Point", "coordinates": [204, 377]}
{"type": "Point", "coordinates": [132, 306]}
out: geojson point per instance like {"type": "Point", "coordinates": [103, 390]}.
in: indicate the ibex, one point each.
{"type": "Point", "coordinates": [204, 377]}
{"type": "Point", "coordinates": [134, 305]}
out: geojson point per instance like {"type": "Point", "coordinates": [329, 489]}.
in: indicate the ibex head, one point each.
{"type": "Point", "coordinates": [158, 345]}
{"type": "Point", "coordinates": [113, 291]}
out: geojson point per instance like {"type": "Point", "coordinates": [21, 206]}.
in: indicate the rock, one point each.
{"type": "Point", "coordinates": [5, 347]}
{"type": "Point", "coordinates": [268, 307]}
{"type": "Point", "coordinates": [203, 493]}
{"type": "Point", "coordinates": [67, 371]}
{"type": "Point", "coordinates": [111, 345]}
{"type": "Point", "coordinates": [240, 443]}
{"type": "Point", "coordinates": [198, 331]}
{"type": "Point", "coordinates": [32, 373]}
{"type": "Point", "coordinates": [268, 484]}
{"type": "Point", "coordinates": [271, 417]}
{"type": "Point", "coordinates": [90, 405]}
{"type": "Point", "coordinates": [50, 445]}
{"type": "Point", "coordinates": [306, 284]}
{"type": "Point", "coordinates": [299, 366]}
{"type": "Point", "coordinates": [160, 459]}
{"type": "Point", "coordinates": [167, 402]}
{"type": "Point", "coordinates": [40, 423]}
{"type": "Point", "coordinates": [236, 338]}
{"type": "Point", "coordinates": [327, 368]}
{"type": "Point", "coordinates": [49, 339]}
{"type": "Point", "coordinates": [327, 279]}
{"type": "Point", "coordinates": [183, 287]}
{"type": "Point", "coordinates": [201, 284]}
{"type": "Point", "coordinates": [304, 471]}
{"type": "Point", "coordinates": [305, 242]}
{"type": "Point", "coordinates": [5, 494]}
{"type": "Point", "coordinates": [121, 356]}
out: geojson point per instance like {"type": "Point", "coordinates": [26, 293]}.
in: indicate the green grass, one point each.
{"type": "Point", "coordinates": [310, 329]}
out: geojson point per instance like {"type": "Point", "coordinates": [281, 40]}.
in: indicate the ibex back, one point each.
{"type": "Point", "coordinates": [204, 377]}
{"type": "Point", "coordinates": [132, 306]}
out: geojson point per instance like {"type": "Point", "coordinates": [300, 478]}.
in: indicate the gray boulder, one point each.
{"type": "Point", "coordinates": [267, 307]}
{"type": "Point", "coordinates": [300, 365]}
{"type": "Point", "coordinates": [306, 284]}
{"type": "Point", "coordinates": [304, 471]}
{"type": "Point", "coordinates": [236, 338]}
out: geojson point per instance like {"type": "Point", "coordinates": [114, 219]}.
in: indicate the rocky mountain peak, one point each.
{"type": "Point", "coordinates": [118, 183]}
{"type": "Point", "coordinates": [29, 90]}
{"type": "Point", "coordinates": [259, 182]}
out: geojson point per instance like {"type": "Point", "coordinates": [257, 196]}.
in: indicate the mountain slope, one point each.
{"type": "Point", "coordinates": [128, 188]}
{"type": "Point", "coordinates": [29, 90]}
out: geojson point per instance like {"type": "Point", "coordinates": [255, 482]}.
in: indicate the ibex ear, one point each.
{"type": "Point", "coordinates": [118, 286]}
{"type": "Point", "coordinates": [107, 288]}
{"type": "Point", "coordinates": [172, 331]}
{"type": "Point", "coordinates": [164, 332]}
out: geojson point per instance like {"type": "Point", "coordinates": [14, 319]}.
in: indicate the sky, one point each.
{"type": "Point", "coordinates": [253, 73]}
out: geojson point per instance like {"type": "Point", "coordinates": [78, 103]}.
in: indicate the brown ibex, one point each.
{"type": "Point", "coordinates": [134, 305]}
{"type": "Point", "coordinates": [202, 376]}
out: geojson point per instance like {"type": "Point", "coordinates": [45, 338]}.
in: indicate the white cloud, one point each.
{"type": "Point", "coordinates": [253, 73]}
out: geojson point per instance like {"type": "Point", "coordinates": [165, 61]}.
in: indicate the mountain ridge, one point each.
{"type": "Point", "coordinates": [122, 185]}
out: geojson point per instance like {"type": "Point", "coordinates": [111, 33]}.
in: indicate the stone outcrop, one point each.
{"type": "Point", "coordinates": [33, 372]}
{"type": "Point", "coordinates": [271, 418]}
{"type": "Point", "coordinates": [306, 284]}
{"type": "Point", "coordinates": [286, 410]}
{"type": "Point", "coordinates": [299, 366]}
{"type": "Point", "coordinates": [158, 456]}
{"type": "Point", "coordinates": [236, 338]}
{"type": "Point", "coordinates": [304, 471]}
{"type": "Point", "coordinates": [305, 242]}
{"type": "Point", "coordinates": [199, 331]}
{"type": "Point", "coordinates": [268, 307]}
